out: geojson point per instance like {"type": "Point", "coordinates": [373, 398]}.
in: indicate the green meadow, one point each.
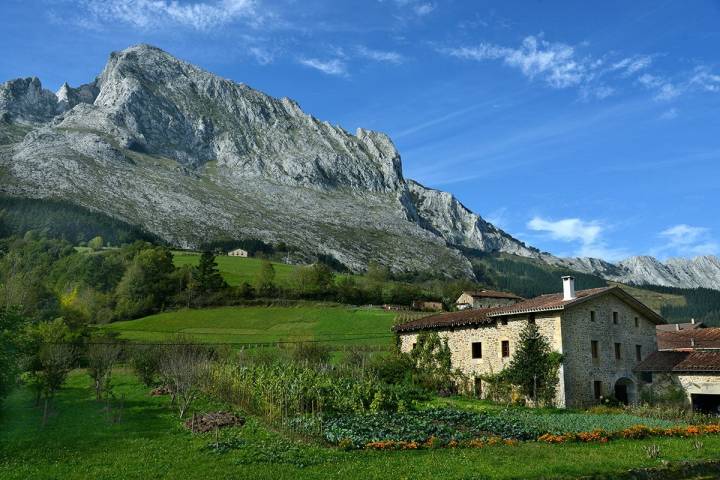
{"type": "Point", "coordinates": [319, 322]}
{"type": "Point", "coordinates": [236, 270]}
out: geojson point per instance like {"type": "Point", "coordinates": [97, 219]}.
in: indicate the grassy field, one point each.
{"type": "Point", "coordinates": [327, 323]}
{"type": "Point", "coordinates": [149, 442]}
{"type": "Point", "coordinates": [236, 270]}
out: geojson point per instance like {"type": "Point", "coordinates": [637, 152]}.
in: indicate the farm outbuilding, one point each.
{"type": "Point", "coordinates": [238, 252]}
{"type": "Point", "coordinates": [689, 360]}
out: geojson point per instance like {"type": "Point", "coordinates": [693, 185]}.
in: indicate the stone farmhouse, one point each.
{"type": "Point", "coordinates": [603, 334]}
{"type": "Point", "coordinates": [688, 360]}
{"type": "Point", "coordinates": [238, 252]}
{"type": "Point", "coordinates": [485, 299]}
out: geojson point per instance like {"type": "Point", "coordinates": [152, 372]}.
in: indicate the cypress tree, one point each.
{"type": "Point", "coordinates": [207, 275]}
{"type": "Point", "coordinates": [534, 366]}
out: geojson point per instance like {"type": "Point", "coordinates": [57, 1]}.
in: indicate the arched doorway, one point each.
{"type": "Point", "coordinates": [625, 390]}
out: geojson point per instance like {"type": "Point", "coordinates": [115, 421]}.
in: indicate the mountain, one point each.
{"type": "Point", "coordinates": [191, 158]}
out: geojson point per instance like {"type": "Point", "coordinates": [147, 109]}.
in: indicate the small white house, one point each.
{"type": "Point", "coordinates": [238, 252]}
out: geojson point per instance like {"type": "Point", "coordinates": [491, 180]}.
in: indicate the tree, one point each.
{"type": "Point", "coordinates": [184, 366]}
{"type": "Point", "coordinates": [314, 281]}
{"type": "Point", "coordinates": [377, 273]}
{"type": "Point", "coordinates": [102, 355]}
{"type": "Point", "coordinates": [206, 275]}
{"type": "Point", "coordinates": [266, 279]}
{"type": "Point", "coordinates": [146, 360]}
{"type": "Point", "coordinates": [96, 243]}
{"type": "Point", "coordinates": [534, 366]}
{"type": "Point", "coordinates": [433, 363]}
{"type": "Point", "coordinates": [51, 355]}
{"type": "Point", "coordinates": [147, 283]}
{"type": "Point", "coordinates": [11, 325]}
{"type": "Point", "coordinates": [347, 290]}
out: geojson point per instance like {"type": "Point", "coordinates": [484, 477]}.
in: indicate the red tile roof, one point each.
{"type": "Point", "coordinates": [493, 294]}
{"type": "Point", "coordinates": [543, 303]}
{"type": "Point", "coordinates": [681, 361]}
{"type": "Point", "coordinates": [551, 301]}
{"type": "Point", "coordinates": [452, 319]}
{"type": "Point", "coordinates": [689, 339]}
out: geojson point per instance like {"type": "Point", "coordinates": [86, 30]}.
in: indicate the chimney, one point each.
{"type": "Point", "coordinates": [692, 320]}
{"type": "Point", "coordinates": [568, 288]}
{"type": "Point", "coordinates": [677, 327]}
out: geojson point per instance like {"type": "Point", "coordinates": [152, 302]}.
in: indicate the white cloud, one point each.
{"type": "Point", "coordinates": [561, 66]}
{"type": "Point", "coordinates": [147, 14]}
{"type": "Point", "coordinates": [664, 89]}
{"type": "Point", "coordinates": [330, 67]}
{"type": "Point", "coordinates": [423, 9]}
{"type": "Point", "coordinates": [556, 63]}
{"type": "Point", "coordinates": [568, 229]}
{"type": "Point", "coordinates": [262, 55]}
{"type": "Point", "coordinates": [380, 55]}
{"type": "Point", "coordinates": [417, 7]}
{"type": "Point", "coordinates": [669, 114]}
{"type": "Point", "coordinates": [631, 65]}
{"type": "Point", "coordinates": [586, 234]}
{"type": "Point", "coordinates": [687, 240]}
{"type": "Point", "coordinates": [705, 80]}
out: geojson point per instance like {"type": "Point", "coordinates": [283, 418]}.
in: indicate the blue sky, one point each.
{"type": "Point", "coordinates": [583, 128]}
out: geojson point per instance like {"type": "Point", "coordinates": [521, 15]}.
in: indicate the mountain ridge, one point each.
{"type": "Point", "coordinates": [190, 156]}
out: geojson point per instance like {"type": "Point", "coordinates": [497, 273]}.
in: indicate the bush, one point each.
{"type": "Point", "coordinates": [392, 369]}
{"type": "Point", "coordinates": [145, 361]}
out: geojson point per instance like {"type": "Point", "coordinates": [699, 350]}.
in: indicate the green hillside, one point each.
{"type": "Point", "coordinates": [248, 325]}
{"type": "Point", "coordinates": [655, 300]}
{"type": "Point", "coordinates": [236, 270]}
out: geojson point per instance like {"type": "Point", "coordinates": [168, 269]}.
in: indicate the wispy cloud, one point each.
{"type": "Point", "coordinates": [333, 66]}
{"type": "Point", "coordinates": [704, 79]}
{"type": "Point", "coordinates": [686, 240]}
{"type": "Point", "coordinates": [263, 55]}
{"type": "Point", "coordinates": [379, 55]}
{"type": "Point", "coordinates": [147, 14]}
{"type": "Point", "coordinates": [418, 8]}
{"type": "Point", "coordinates": [586, 235]}
{"type": "Point", "coordinates": [423, 9]}
{"type": "Point", "coordinates": [555, 63]}
{"type": "Point", "coordinates": [664, 89]}
{"type": "Point", "coordinates": [631, 65]}
{"type": "Point", "coordinates": [560, 66]}
{"type": "Point", "coordinates": [669, 114]}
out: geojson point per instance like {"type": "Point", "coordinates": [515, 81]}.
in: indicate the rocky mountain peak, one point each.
{"type": "Point", "coordinates": [24, 100]}
{"type": "Point", "coordinates": [157, 104]}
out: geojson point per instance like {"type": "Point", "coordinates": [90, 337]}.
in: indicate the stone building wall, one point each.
{"type": "Point", "coordinates": [663, 384]}
{"type": "Point", "coordinates": [460, 343]}
{"type": "Point", "coordinates": [484, 302]}
{"type": "Point", "coordinates": [580, 369]}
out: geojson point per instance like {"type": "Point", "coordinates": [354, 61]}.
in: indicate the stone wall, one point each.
{"type": "Point", "coordinates": [484, 302]}
{"type": "Point", "coordinates": [580, 369]}
{"type": "Point", "coordinates": [460, 343]}
{"type": "Point", "coordinates": [665, 384]}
